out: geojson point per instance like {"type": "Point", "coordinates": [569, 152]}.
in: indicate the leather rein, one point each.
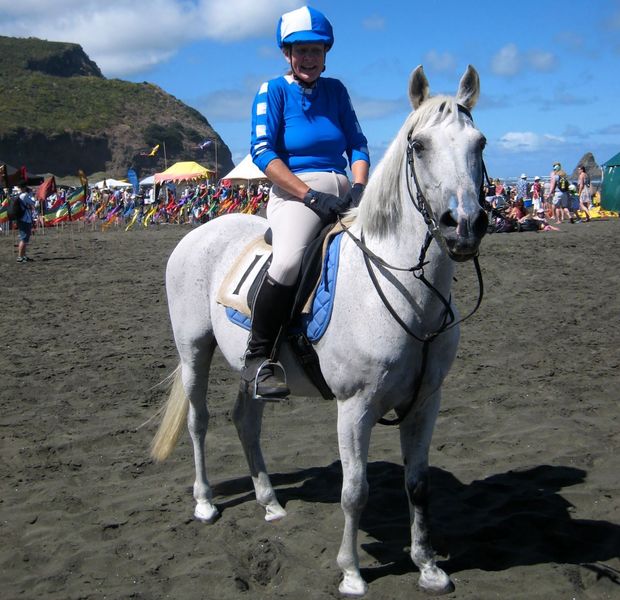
{"type": "Point", "coordinates": [449, 321]}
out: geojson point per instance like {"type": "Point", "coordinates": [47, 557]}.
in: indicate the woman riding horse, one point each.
{"type": "Point", "coordinates": [302, 124]}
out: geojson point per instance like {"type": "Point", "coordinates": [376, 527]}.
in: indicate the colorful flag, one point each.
{"type": "Point", "coordinates": [132, 177]}
{"type": "Point", "coordinates": [72, 209]}
{"type": "Point", "coordinates": [47, 188]}
{"type": "Point", "coordinates": [4, 207]}
{"type": "Point", "coordinates": [153, 151]}
{"type": "Point", "coordinates": [55, 217]}
{"type": "Point", "coordinates": [4, 182]}
{"type": "Point", "coordinates": [83, 178]}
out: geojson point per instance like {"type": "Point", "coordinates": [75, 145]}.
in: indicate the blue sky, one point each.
{"type": "Point", "coordinates": [549, 71]}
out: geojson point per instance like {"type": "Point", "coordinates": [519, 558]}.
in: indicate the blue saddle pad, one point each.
{"type": "Point", "coordinates": [315, 323]}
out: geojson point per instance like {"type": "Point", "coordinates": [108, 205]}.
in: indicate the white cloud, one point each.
{"type": "Point", "coordinates": [506, 61]}
{"type": "Point", "coordinates": [238, 19]}
{"type": "Point", "coordinates": [442, 62]}
{"type": "Point", "coordinates": [374, 23]}
{"type": "Point", "coordinates": [527, 141]}
{"type": "Point", "coordinates": [510, 61]}
{"type": "Point", "coordinates": [613, 129]}
{"type": "Point", "coordinates": [129, 36]}
{"type": "Point", "coordinates": [542, 61]}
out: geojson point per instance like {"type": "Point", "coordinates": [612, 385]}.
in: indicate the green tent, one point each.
{"type": "Point", "coordinates": [610, 189]}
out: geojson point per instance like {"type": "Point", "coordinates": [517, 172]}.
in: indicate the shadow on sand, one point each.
{"type": "Point", "coordinates": [510, 519]}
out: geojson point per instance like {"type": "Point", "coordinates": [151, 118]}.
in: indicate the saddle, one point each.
{"type": "Point", "coordinates": [312, 306]}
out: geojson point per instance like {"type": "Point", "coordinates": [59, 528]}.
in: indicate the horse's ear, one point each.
{"type": "Point", "coordinates": [418, 87]}
{"type": "Point", "coordinates": [469, 88]}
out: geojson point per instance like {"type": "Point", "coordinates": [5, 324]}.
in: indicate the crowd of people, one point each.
{"type": "Point", "coordinates": [193, 204]}
{"type": "Point", "coordinates": [539, 205]}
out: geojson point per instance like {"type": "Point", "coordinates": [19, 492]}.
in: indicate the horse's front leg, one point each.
{"type": "Point", "coordinates": [416, 432]}
{"type": "Point", "coordinates": [354, 427]}
{"type": "Point", "coordinates": [248, 416]}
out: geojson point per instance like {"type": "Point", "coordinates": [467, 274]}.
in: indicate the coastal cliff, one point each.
{"type": "Point", "coordinates": [59, 114]}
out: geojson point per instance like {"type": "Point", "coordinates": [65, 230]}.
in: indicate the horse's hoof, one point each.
{"type": "Point", "coordinates": [274, 513]}
{"type": "Point", "coordinates": [434, 581]}
{"type": "Point", "coordinates": [353, 586]}
{"type": "Point", "coordinates": [206, 512]}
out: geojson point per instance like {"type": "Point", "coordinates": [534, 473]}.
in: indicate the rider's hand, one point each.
{"type": "Point", "coordinates": [356, 194]}
{"type": "Point", "coordinates": [326, 206]}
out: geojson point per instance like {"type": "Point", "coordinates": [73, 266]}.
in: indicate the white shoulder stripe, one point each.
{"type": "Point", "coordinates": [263, 88]}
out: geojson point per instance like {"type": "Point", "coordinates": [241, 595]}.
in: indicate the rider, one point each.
{"type": "Point", "coordinates": [302, 125]}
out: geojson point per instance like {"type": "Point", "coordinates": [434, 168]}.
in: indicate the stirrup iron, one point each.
{"type": "Point", "coordinates": [268, 363]}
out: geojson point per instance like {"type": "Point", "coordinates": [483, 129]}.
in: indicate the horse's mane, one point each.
{"type": "Point", "coordinates": [381, 210]}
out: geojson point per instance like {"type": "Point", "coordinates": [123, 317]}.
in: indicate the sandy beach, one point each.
{"type": "Point", "coordinates": [525, 457]}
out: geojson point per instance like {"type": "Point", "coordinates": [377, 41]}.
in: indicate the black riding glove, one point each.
{"type": "Point", "coordinates": [326, 206]}
{"type": "Point", "coordinates": [356, 194]}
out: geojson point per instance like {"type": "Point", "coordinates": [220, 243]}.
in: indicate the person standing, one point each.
{"type": "Point", "coordinates": [24, 222]}
{"type": "Point", "coordinates": [522, 193]}
{"type": "Point", "coordinates": [303, 125]}
{"type": "Point", "coordinates": [585, 198]}
{"type": "Point", "coordinates": [537, 193]}
{"type": "Point", "coordinates": [559, 198]}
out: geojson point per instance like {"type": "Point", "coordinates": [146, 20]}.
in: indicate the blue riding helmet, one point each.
{"type": "Point", "coordinates": [304, 26]}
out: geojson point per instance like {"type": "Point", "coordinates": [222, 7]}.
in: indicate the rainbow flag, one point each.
{"type": "Point", "coordinates": [73, 208]}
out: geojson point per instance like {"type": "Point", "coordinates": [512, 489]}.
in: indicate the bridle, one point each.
{"type": "Point", "coordinates": [449, 321]}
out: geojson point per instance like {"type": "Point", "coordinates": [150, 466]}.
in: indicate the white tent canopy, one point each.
{"type": "Point", "coordinates": [111, 183]}
{"type": "Point", "coordinates": [246, 170]}
{"type": "Point", "coordinates": [150, 180]}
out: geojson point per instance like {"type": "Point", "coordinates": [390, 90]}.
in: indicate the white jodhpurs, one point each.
{"type": "Point", "coordinates": [294, 225]}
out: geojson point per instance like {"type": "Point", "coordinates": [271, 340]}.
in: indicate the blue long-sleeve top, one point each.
{"type": "Point", "coordinates": [309, 129]}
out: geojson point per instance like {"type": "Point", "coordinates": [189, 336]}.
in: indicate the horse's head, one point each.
{"type": "Point", "coordinates": [445, 163]}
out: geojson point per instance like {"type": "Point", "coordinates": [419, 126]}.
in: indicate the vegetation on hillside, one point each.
{"type": "Point", "coordinates": [53, 88]}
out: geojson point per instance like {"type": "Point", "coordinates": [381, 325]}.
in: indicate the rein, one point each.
{"type": "Point", "coordinates": [433, 232]}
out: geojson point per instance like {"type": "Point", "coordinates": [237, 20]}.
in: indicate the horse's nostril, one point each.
{"type": "Point", "coordinates": [447, 220]}
{"type": "Point", "coordinates": [481, 224]}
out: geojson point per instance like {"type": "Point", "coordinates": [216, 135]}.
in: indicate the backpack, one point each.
{"type": "Point", "coordinates": [15, 210]}
{"type": "Point", "coordinates": [563, 183]}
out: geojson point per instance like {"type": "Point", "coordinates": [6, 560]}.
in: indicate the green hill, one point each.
{"type": "Point", "coordinates": [59, 114]}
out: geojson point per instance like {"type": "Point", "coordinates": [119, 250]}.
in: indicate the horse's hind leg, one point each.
{"type": "Point", "coordinates": [195, 381]}
{"type": "Point", "coordinates": [416, 432]}
{"type": "Point", "coordinates": [247, 416]}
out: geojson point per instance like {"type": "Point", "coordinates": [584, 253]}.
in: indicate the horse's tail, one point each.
{"type": "Point", "coordinates": [173, 421]}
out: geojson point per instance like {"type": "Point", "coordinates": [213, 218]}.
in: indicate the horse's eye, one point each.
{"type": "Point", "coordinates": [417, 145]}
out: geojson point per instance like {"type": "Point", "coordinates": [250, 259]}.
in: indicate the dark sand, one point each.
{"type": "Point", "coordinates": [525, 458]}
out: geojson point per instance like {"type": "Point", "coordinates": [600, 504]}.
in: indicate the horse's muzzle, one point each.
{"type": "Point", "coordinates": [463, 237]}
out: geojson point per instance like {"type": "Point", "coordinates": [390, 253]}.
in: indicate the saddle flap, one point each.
{"type": "Point", "coordinates": [235, 288]}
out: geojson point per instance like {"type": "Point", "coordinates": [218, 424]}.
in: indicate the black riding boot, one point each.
{"type": "Point", "coordinates": [271, 310]}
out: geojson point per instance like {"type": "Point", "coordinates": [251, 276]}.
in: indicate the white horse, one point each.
{"type": "Point", "coordinates": [379, 352]}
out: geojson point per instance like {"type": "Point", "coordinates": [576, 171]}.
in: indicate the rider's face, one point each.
{"type": "Point", "coordinates": [307, 61]}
